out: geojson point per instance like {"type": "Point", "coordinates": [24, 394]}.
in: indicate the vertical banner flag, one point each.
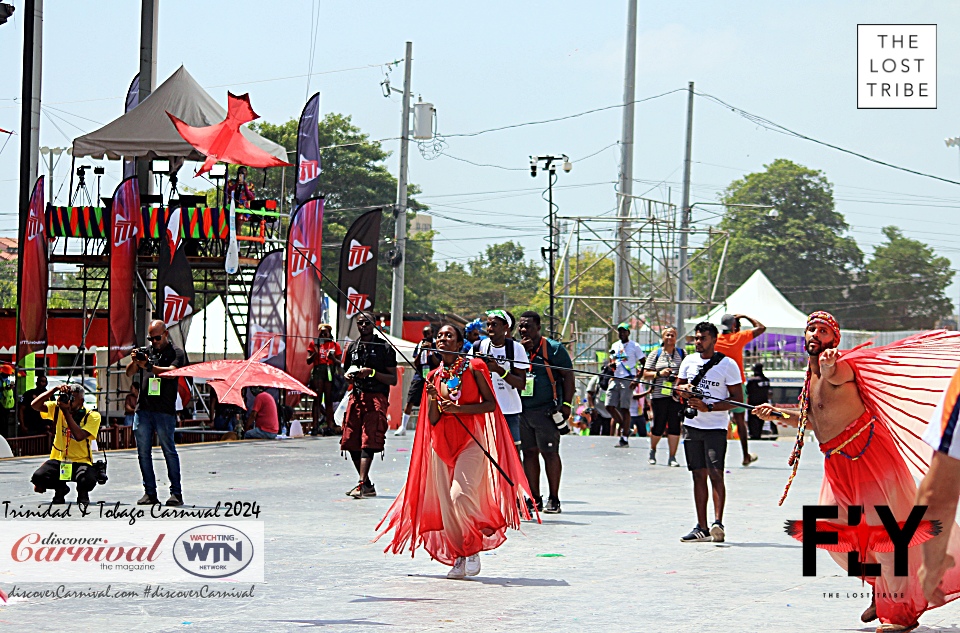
{"type": "Point", "coordinates": [304, 292]}
{"type": "Point", "coordinates": [175, 293]}
{"type": "Point", "coordinates": [308, 149]}
{"type": "Point", "coordinates": [125, 234]}
{"type": "Point", "coordinates": [32, 301]}
{"type": "Point", "coordinates": [133, 99]}
{"type": "Point", "coordinates": [358, 272]}
{"type": "Point", "coordinates": [266, 311]}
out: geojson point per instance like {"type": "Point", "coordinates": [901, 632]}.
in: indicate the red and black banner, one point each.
{"type": "Point", "coordinates": [308, 149]}
{"type": "Point", "coordinates": [358, 272]}
{"type": "Point", "coordinates": [33, 276]}
{"type": "Point", "coordinates": [126, 230]}
{"type": "Point", "coordinates": [304, 292]}
{"type": "Point", "coordinates": [266, 311]}
{"type": "Point", "coordinates": [175, 293]}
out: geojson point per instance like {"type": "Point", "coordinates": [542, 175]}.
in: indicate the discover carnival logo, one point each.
{"type": "Point", "coordinates": [115, 551]}
{"type": "Point", "coordinates": [213, 551]}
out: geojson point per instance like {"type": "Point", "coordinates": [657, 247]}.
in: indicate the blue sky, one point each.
{"type": "Point", "coordinates": [502, 63]}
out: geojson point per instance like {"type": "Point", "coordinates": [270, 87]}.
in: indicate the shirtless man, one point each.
{"type": "Point", "coordinates": [862, 467]}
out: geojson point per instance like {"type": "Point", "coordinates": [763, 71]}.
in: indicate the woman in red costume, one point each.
{"type": "Point", "coordinates": [868, 409]}
{"type": "Point", "coordinates": [456, 503]}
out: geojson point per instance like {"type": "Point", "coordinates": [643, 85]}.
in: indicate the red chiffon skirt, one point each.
{"type": "Point", "coordinates": [870, 471]}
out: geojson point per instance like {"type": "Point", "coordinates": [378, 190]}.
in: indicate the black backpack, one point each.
{"type": "Point", "coordinates": [507, 347]}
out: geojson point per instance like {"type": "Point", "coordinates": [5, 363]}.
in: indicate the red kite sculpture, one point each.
{"type": "Point", "coordinates": [223, 141]}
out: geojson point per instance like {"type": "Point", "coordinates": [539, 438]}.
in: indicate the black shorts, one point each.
{"type": "Point", "coordinates": [537, 430]}
{"type": "Point", "coordinates": [705, 448]}
{"type": "Point", "coordinates": [666, 416]}
{"type": "Point", "coordinates": [415, 392]}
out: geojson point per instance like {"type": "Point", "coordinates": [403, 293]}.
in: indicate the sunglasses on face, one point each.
{"type": "Point", "coordinates": [155, 338]}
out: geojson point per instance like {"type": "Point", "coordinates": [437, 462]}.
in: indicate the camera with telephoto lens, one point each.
{"type": "Point", "coordinates": [142, 353]}
{"type": "Point", "coordinates": [688, 411]}
{"type": "Point", "coordinates": [559, 421]}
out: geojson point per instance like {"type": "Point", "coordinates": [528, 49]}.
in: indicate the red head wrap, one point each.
{"type": "Point", "coordinates": [827, 319]}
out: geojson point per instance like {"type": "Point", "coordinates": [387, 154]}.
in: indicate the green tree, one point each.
{"type": "Point", "coordinates": [498, 277]}
{"type": "Point", "coordinates": [803, 248]}
{"type": "Point", "coordinates": [908, 285]}
{"type": "Point", "coordinates": [353, 179]}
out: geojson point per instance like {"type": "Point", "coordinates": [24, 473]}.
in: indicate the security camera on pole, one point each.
{"type": "Point", "coordinates": [549, 164]}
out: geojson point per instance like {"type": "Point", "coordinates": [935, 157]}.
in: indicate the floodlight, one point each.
{"type": "Point", "coordinates": [160, 166]}
{"type": "Point", "coordinates": [219, 170]}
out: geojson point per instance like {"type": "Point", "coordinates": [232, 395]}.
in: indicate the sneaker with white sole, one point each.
{"type": "Point", "coordinates": [652, 460]}
{"type": "Point", "coordinates": [473, 565]}
{"type": "Point", "coordinates": [673, 463]}
{"type": "Point", "coordinates": [696, 535]}
{"type": "Point", "coordinates": [458, 571]}
{"type": "Point", "coordinates": [400, 432]}
{"type": "Point", "coordinates": [716, 531]}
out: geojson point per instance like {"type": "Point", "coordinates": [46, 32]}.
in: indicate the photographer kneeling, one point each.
{"type": "Point", "coordinates": [71, 458]}
{"type": "Point", "coordinates": [706, 379]}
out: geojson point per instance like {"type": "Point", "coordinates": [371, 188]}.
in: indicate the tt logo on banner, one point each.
{"type": "Point", "coordinates": [175, 307]}
{"type": "Point", "coordinates": [34, 226]}
{"type": "Point", "coordinates": [356, 302]}
{"type": "Point", "coordinates": [857, 538]}
{"type": "Point", "coordinates": [123, 230]}
{"type": "Point", "coordinates": [299, 258]}
{"type": "Point", "coordinates": [359, 255]}
{"type": "Point", "coordinates": [309, 169]}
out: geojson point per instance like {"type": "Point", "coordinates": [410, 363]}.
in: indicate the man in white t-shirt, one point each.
{"type": "Point", "coordinates": [629, 358]}
{"type": "Point", "coordinates": [705, 445]}
{"type": "Point", "coordinates": [507, 366]}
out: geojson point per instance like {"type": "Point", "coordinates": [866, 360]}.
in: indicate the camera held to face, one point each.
{"type": "Point", "coordinates": [142, 353]}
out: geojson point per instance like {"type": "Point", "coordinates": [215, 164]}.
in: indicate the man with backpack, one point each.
{"type": "Point", "coordinates": [546, 400]}
{"type": "Point", "coordinates": [661, 367]}
{"type": "Point", "coordinates": [506, 359]}
{"type": "Point", "coordinates": [596, 399]}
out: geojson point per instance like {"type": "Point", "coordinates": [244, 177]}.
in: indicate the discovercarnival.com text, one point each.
{"type": "Point", "coordinates": [149, 591]}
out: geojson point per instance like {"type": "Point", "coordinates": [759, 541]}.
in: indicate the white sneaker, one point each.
{"type": "Point", "coordinates": [400, 432]}
{"type": "Point", "coordinates": [473, 565]}
{"type": "Point", "coordinates": [457, 572]}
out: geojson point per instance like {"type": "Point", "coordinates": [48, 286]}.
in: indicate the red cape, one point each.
{"type": "Point", "coordinates": [416, 510]}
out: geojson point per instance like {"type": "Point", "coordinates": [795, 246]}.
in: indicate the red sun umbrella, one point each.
{"type": "Point", "coordinates": [224, 142]}
{"type": "Point", "coordinates": [228, 377]}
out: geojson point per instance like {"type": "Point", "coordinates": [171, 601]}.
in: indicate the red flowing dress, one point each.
{"type": "Point", "coordinates": [455, 502]}
{"type": "Point", "coordinates": [875, 459]}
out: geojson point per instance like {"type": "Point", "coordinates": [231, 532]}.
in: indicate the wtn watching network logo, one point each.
{"type": "Point", "coordinates": [213, 551]}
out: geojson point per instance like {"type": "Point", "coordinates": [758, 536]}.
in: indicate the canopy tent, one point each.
{"type": "Point", "coordinates": [222, 341]}
{"type": "Point", "coordinates": [147, 132]}
{"type": "Point", "coordinates": [759, 298]}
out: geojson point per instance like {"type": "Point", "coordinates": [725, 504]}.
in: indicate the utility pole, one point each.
{"type": "Point", "coordinates": [400, 235]}
{"type": "Point", "coordinates": [686, 215]}
{"type": "Point", "coordinates": [30, 103]}
{"type": "Point", "coordinates": [149, 17]}
{"type": "Point", "coordinates": [621, 275]}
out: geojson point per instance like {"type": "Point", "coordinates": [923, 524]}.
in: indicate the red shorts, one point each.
{"type": "Point", "coordinates": [365, 422]}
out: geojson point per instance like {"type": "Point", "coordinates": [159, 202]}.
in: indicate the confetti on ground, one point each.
{"type": "Point", "coordinates": [673, 572]}
{"type": "Point", "coordinates": [626, 532]}
{"type": "Point", "coordinates": [549, 555]}
{"type": "Point", "coordinates": [403, 450]}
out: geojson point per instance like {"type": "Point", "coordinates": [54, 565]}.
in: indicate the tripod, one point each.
{"type": "Point", "coordinates": [81, 191]}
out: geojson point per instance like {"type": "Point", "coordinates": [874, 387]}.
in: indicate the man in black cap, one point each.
{"type": "Point", "coordinates": [730, 343]}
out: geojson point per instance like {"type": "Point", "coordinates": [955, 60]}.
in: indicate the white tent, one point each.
{"type": "Point", "coordinates": [221, 340]}
{"type": "Point", "coordinates": [760, 299]}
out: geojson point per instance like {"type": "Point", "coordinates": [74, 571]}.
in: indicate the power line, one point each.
{"type": "Point", "coordinates": [563, 118]}
{"type": "Point", "coordinates": [776, 127]}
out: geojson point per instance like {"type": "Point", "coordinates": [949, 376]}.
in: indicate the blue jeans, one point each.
{"type": "Point", "coordinates": [259, 434]}
{"type": "Point", "coordinates": [128, 419]}
{"type": "Point", "coordinates": [513, 421]}
{"type": "Point", "coordinates": [163, 424]}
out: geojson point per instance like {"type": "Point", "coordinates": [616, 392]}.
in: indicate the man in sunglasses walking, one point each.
{"type": "Point", "coordinates": [157, 411]}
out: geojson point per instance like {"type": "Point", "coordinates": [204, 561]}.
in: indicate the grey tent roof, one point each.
{"type": "Point", "coordinates": [147, 132]}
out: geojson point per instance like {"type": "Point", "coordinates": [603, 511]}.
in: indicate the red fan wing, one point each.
{"type": "Point", "coordinates": [845, 537]}
{"type": "Point", "coordinates": [926, 531]}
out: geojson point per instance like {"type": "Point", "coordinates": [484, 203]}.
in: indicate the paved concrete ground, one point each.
{"type": "Point", "coordinates": [621, 565]}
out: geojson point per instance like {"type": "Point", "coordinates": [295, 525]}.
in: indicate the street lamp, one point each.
{"type": "Point", "coordinates": [549, 164]}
